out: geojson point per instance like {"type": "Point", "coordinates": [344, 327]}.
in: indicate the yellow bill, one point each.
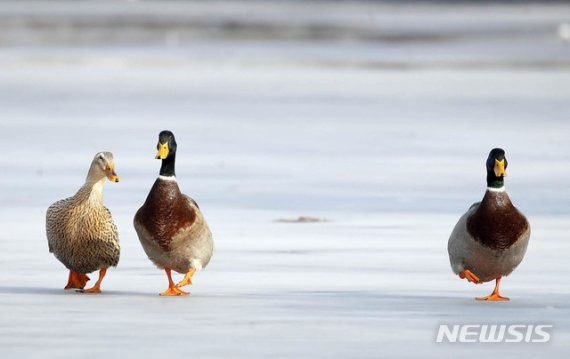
{"type": "Point", "coordinates": [500, 168]}
{"type": "Point", "coordinates": [110, 172]}
{"type": "Point", "coordinates": [162, 151]}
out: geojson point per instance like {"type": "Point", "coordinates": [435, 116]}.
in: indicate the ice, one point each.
{"type": "Point", "coordinates": [385, 145]}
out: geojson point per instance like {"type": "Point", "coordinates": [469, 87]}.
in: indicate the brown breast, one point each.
{"type": "Point", "coordinates": [165, 212]}
{"type": "Point", "coordinates": [496, 223]}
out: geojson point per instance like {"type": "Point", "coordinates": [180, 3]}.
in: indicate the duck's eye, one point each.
{"type": "Point", "coordinates": [101, 157]}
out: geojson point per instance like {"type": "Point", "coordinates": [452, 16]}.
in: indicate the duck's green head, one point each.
{"type": "Point", "coordinates": [496, 168]}
{"type": "Point", "coordinates": [166, 145]}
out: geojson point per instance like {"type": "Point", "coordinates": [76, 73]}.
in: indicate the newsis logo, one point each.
{"type": "Point", "coordinates": [494, 333]}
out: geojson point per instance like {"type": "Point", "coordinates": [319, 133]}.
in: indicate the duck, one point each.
{"type": "Point", "coordinates": [170, 225]}
{"type": "Point", "coordinates": [490, 240]}
{"type": "Point", "coordinates": [80, 230]}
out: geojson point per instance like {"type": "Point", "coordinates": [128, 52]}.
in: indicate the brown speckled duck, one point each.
{"type": "Point", "coordinates": [490, 240]}
{"type": "Point", "coordinates": [170, 225]}
{"type": "Point", "coordinates": [80, 230]}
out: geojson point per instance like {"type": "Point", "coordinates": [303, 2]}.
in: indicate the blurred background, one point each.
{"type": "Point", "coordinates": [389, 35]}
{"type": "Point", "coordinates": [375, 118]}
{"type": "Point", "coordinates": [333, 103]}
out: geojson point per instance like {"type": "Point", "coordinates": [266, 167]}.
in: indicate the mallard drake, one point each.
{"type": "Point", "coordinates": [490, 240]}
{"type": "Point", "coordinates": [170, 225]}
{"type": "Point", "coordinates": [80, 230]}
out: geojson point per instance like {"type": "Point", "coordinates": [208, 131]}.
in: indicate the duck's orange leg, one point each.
{"type": "Point", "coordinates": [495, 295]}
{"type": "Point", "coordinates": [187, 278]}
{"type": "Point", "coordinates": [172, 290]}
{"type": "Point", "coordinates": [83, 279]}
{"type": "Point", "coordinates": [97, 287]}
{"type": "Point", "coordinates": [76, 280]}
{"type": "Point", "coordinates": [70, 281]}
{"type": "Point", "coordinates": [467, 274]}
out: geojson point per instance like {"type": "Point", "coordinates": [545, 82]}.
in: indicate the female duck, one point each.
{"type": "Point", "coordinates": [490, 240]}
{"type": "Point", "coordinates": [170, 225]}
{"type": "Point", "coordinates": [80, 230]}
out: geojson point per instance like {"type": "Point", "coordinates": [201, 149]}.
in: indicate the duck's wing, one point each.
{"type": "Point", "coordinates": [474, 206]}
{"type": "Point", "coordinates": [112, 234]}
{"type": "Point", "coordinates": [55, 216]}
{"type": "Point", "coordinates": [201, 240]}
{"type": "Point", "coordinates": [110, 247]}
{"type": "Point", "coordinates": [152, 247]}
{"type": "Point", "coordinates": [460, 241]}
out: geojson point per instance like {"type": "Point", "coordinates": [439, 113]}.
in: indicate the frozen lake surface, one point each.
{"type": "Point", "coordinates": [388, 149]}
